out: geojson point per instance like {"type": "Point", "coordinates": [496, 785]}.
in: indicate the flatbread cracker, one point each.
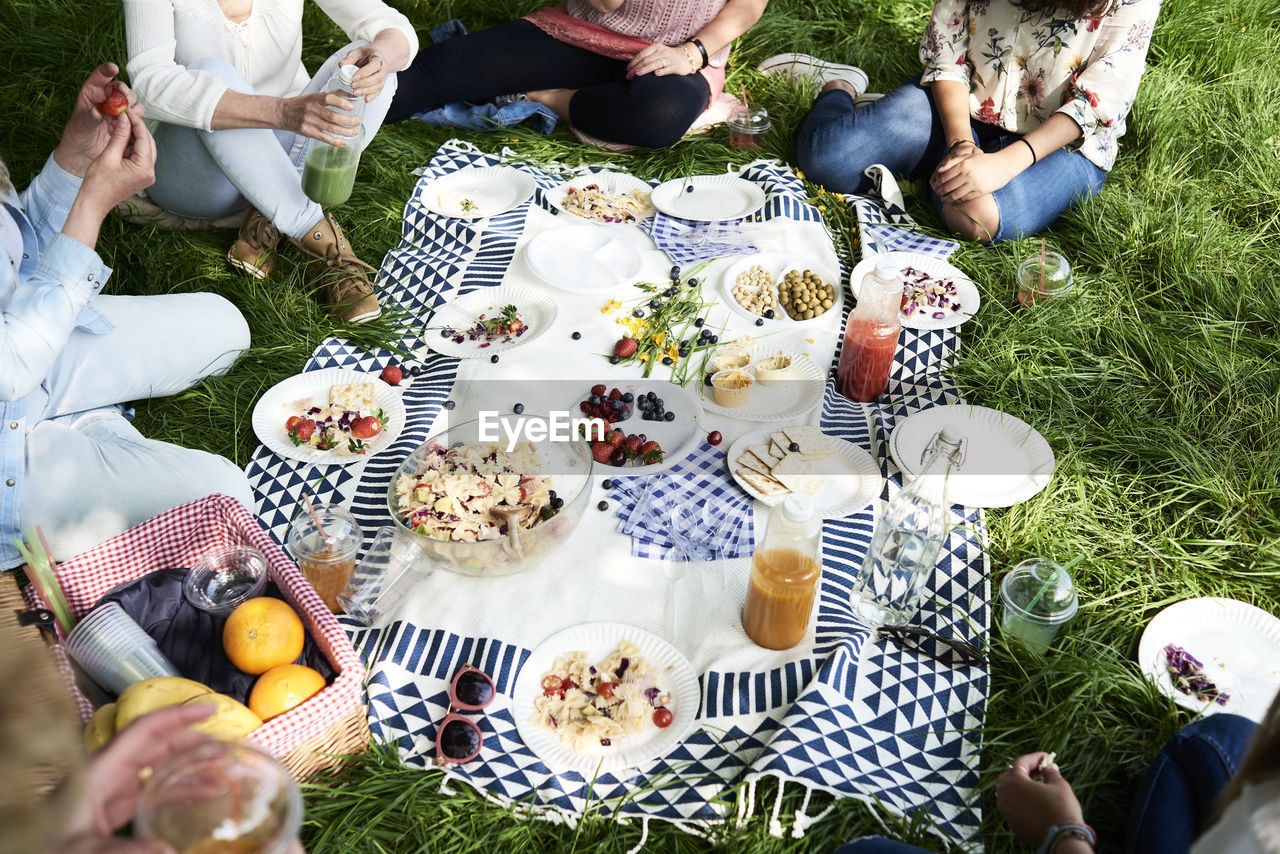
{"type": "Point", "coordinates": [353, 397]}
{"type": "Point", "coordinates": [811, 440]}
{"type": "Point", "coordinates": [763, 452]}
{"type": "Point", "coordinates": [752, 461]}
{"type": "Point", "coordinates": [777, 451]}
{"type": "Point", "coordinates": [798, 474]}
{"type": "Point", "coordinates": [761, 484]}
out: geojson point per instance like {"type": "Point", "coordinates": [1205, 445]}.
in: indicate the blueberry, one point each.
{"type": "Point", "coordinates": [655, 304]}
{"type": "Point", "coordinates": [704, 334]}
{"type": "Point", "coordinates": [684, 345]}
{"type": "Point", "coordinates": [518, 408]}
{"type": "Point", "coordinates": [675, 272]}
{"type": "Point", "coordinates": [693, 283]}
{"type": "Point", "coordinates": [713, 339]}
{"type": "Point", "coordinates": [793, 447]}
{"type": "Point", "coordinates": [576, 336]}
{"type": "Point", "coordinates": [603, 505]}
{"type": "Point", "coordinates": [445, 333]}
{"type": "Point", "coordinates": [415, 371]}
{"type": "Point", "coordinates": [698, 321]}
{"type": "Point", "coordinates": [624, 413]}
{"type": "Point", "coordinates": [613, 360]}
{"type": "Point", "coordinates": [670, 292]}
{"type": "Point", "coordinates": [551, 494]}
{"type": "Point", "coordinates": [644, 437]}
{"type": "Point", "coordinates": [557, 503]}
{"type": "Point", "coordinates": [669, 416]}
{"type": "Point", "coordinates": [652, 396]}
{"type": "Point", "coordinates": [608, 484]}
{"type": "Point", "coordinates": [646, 415]}
{"type": "Point", "coordinates": [594, 400]}
{"type": "Point", "coordinates": [707, 381]}
{"type": "Point", "coordinates": [494, 358]}
{"type": "Point", "coordinates": [683, 351]}
{"type": "Point", "coordinates": [666, 360]}
{"type": "Point", "coordinates": [615, 404]}
{"type": "Point", "coordinates": [660, 402]}
{"type": "Point", "coordinates": [627, 397]}
{"type": "Point", "coordinates": [768, 312]}
{"type": "Point", "coordinates": [547, 512]}
{"type": "Point", "coordinates": [688, 188]}
{"type": "Point", "coordinates": [759, 321]}
{"type": "Point", "coordinates": [449, 404]}
{"type": "Point", "coordinates": [639, 312]}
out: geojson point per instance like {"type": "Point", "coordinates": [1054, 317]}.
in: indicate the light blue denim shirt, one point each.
{"type": "Point", "coordinates": [44, 295]}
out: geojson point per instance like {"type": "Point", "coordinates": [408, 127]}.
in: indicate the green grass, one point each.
{"type": "Point", "coordinates": [1158, 384]}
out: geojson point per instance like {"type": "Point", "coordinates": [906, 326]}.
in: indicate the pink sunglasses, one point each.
{"type": "Point", "coordinates": [458, 739]}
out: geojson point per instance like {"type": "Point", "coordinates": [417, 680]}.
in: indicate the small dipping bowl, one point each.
{"type": "Point", "coordinates": [224, 577]}
{"type": "Point", "coordinates": [773, 370]}
{"type": "Point", "coordinates": [732, 387]}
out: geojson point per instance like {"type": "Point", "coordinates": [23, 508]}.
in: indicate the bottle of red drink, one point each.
{"type": "Point", "coordinates": [871, 336]}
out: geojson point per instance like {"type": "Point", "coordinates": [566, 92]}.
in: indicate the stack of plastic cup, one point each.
{"type": "Point", "coordinates": [384, 575]}
{"type": "Point", "coordinates": [115, 651]}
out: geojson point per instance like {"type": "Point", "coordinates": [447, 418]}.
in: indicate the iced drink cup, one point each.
{"type": "Point", "coordinates": [1039, 599]}
{"type": "Point", "coordinates": [747, 128]}
{"type": "Point", "coordinates": [1044, 278]}
{"type": "Point", "coordinates": [325, 546]}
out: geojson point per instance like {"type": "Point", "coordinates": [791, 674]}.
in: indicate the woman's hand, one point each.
{"type": "Point", "coordinates": [310, 116]}
{"type": "Point", "coordinates": [372, 75]}
{"type": "Point", "coordinates": [124, 166]}
{"type": "Point", "coordinates": [1033, 799]}
{"type": "Point", "coordinates": [660, 60]}
{"type": "Point", "coordinates": [88, 130]}
{"type": "Point", "coordinates": [960, 178]}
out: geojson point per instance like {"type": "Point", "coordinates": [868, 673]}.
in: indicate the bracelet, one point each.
{"type": "Point", "coordinates": [1034, 159]}
{"type": "Point", "coordinates": [693, 60]}
{"type": "Point", "coordinates": [1074, 831]}
{"type": "Point", "coordinates": [697, 42]}
{"type": "Point", "coordinates": [952, 146]}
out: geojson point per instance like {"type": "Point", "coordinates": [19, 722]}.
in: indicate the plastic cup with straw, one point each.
{"type": "Point", "coordinates": [325, 543]}
{"type": "Point", "coordinates": [1039, 599]}
{"type": "Point", "coordinates": [1044, 277]}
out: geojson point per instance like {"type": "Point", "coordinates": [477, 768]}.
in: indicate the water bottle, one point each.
{"type": "Point", "coordinates": [907, 539]}
{"type": "Point", "coordinates": [785, 570]}
{"type": "Point", "coordinates": [329, 171]}
{"type": "Point", "coordinates": [871, 335]}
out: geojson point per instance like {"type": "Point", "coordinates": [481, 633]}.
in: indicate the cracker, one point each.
{"type": "Point", "coordinates": [777, 451]}
{"type": "Point", "coordinates": [760, 483]}
{"type": "Point", "coordinates": [353, 397]}
{"type": "Point", "coordinates": [811, 440]}
{"type": "Point", "coordinates": [799, 474]}
{"type": "Point", "coordinates": [752, 461]}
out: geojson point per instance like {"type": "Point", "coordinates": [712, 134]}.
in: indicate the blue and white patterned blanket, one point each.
{"type": "Point", "coordinates": [853, 716]}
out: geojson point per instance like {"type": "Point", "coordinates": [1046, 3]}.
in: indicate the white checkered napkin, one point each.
{"type": "Point", "coordinates": [672, 236]}
{"type": "Point", "coordinates": [725, 528]}
{"type": "Point", "coordinates": [179, 537]}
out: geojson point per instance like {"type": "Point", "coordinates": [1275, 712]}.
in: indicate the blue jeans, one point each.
{"type": "Point", "coordinates": [904, 132]}
{"type": "Point", "coordinates": [1177, 795]}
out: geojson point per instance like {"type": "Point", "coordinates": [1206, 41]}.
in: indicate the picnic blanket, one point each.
{"type": "Point", "coordinates": [851, 715]}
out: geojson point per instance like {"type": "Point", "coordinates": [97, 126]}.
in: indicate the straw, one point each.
{"type": "Point", "coordinates": [324, 535]}
{"type": "Point", "coordinates": [745, 103]}
{"type": "Point", "coordinates": [1052, 580]}
{"type": "Point", "coordinates": [43, 577]}
{"type": "Point", "coordinates": [1042, 265]}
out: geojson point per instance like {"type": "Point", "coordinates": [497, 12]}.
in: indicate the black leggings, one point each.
{"type": "Point", "coordinates": [519, 57]}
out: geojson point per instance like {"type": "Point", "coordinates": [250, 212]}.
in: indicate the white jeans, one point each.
{"type": "Point", "coordinates": [208, 174]}
{"type": "Point", "coordinates": [89, 473]}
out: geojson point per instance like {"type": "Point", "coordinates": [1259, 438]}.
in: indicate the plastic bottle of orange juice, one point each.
{"type": "Point", "coordinates": [785, 571]}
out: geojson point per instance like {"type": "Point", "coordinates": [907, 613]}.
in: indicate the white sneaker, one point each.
{"type": "Point", "coordinates": [802, 67]}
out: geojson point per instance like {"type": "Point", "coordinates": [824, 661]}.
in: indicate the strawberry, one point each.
{"type": "Point", "coordinates": [302, 431]}
{"type": "Point", "coordinates": [614, 438]}
{"type": "Point", "coordinates": [633, 444]}
{"type": "Point", "coordinates": [625, 348]}
{"type": "Point", "coordinates": [590, 429]}
{"type": "Point", "coordinates": [601, 451]}
{"type": "Point", "coordinates": [292, 422]}
{"type": "Point", "coordinates": [114, 104]}
{"type": "Point", "coordinates": [651, 452]}
{"type": "Point", "coordinates": [599, 390]}
{"type": "Point", "coordinates": [391, 375]}
{"type": "Point", "coordinates": [366, 427]}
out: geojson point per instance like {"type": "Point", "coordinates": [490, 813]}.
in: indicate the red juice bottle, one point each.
{"type": "Point", "coordinates": [871, 335]}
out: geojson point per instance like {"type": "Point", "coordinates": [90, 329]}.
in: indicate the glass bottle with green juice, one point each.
{"type": "Point", "coordinates": [329, 171]}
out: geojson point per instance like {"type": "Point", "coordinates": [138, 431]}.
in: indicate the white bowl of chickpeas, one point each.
{"type": "Point", "coordinates": [777, 288]}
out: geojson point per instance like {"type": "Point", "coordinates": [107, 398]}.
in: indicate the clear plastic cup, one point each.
{"type": "Point", "coordinates": [225, 577]}
{"type": "Point", "coordinates": [747, 128]}
{"type": "Point", "coordinates": [1044, 279]}
{"type": "Point", "coordinates": [1039, 599]}
{"type": "Point", "coordinates": [115, 651]}
{"type": "Point", "coordinates": [394, 562]}
{"type": "Point", "coordinates": [220, 798]}
{"type": "Point", "coordinates": [326, 552]}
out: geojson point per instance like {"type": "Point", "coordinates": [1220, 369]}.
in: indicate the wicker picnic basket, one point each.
{"type": "Point", "coordinates": [308, 738]}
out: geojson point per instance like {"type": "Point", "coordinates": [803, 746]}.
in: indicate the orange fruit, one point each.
{"type": "Point", "coordinates": [281, 688]}
{"type": "Point", "coordinates": [261, 634]}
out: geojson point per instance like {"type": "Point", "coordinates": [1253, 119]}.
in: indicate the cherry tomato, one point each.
{"type": "Point", "coordinates": [550, 684]}
{"type": "Point", "coordinates": [605, 689]}
{"type": "Point", "coordinates": [662, 717]}
{"type": "Point", "coordinates": [292, 422]}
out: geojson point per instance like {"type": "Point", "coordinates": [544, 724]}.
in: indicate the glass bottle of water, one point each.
{"type": "Point", "coordinates": [907, 539]}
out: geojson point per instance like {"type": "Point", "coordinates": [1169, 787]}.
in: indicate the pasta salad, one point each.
{"type": "Point", "coordinates": [596, 205]}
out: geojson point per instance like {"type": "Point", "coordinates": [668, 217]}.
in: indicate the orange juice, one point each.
{"type": "Point", "coordinates": [784, 582]}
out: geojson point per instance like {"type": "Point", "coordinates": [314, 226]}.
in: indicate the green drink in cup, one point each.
{"type": "Point", "coordinates": [1039, 599]}
{"type": "Point", "coordinates": [330, 173]}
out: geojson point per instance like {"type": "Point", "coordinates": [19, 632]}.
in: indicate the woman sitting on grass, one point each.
{"type": "Point", "coordinates": [1016, 116]}
{"type": "Point", "coordinates": [638, 72]}
{"type": "Point", "coordinates": [236, 106]}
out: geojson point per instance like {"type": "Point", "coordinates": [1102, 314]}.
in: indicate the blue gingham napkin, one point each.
{"type": "Point", "coordinates": [884, 224]}
{"type": "Point", "coordinates": [672, 236]}
{"type": "Point", "coordinates": [716, 514]}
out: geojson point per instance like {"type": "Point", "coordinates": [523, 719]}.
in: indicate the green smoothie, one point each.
{"type": "Point", "coordinates": [329, 174]}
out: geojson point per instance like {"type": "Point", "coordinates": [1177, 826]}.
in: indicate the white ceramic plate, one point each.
{"type": "Point", "coordinates": [853, 479]}
{"type": "Point", "coordinates": [583, 259]}
{"type": "Point", "coordinates": [966, 290]}
{"type": "Point", "coordinates": [1238, 644]}
{"type": "Point", "coordinates": [598, 640]}
{"type": "Point", "coordinates": [679, 438]}
{"type": "Point", "coordinates": [778, 265]}
{"type": "Point", "coordinates": [296, 394]}
{"type": "Point", "coordinates": [492, 189]}
{"type": "Point", "coordinates": [785, 402]}
{"type": "Point", "coordinates": [708, 198]}
{"type": "Point", "coordinates": [1005, 460]}
{"type": "Point", "coordinates": [613, 183]}
{"type": "Point", "coordinates": [537, 310]}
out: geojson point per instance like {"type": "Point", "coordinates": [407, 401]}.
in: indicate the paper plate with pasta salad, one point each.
{"type": "Point", "coordinates": [603, 697]}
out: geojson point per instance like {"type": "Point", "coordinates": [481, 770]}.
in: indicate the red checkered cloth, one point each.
{"type": "Point", "coordinates": [178, 538]}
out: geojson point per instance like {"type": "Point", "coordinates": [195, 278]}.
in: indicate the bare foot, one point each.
{"type": "Point", "coordinates": [556, 99]}
{"type": "Point", "coordinates": [842, 85]}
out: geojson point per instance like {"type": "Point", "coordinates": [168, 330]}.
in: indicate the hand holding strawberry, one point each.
{"type": "Point", "coordinates": [90, 126]}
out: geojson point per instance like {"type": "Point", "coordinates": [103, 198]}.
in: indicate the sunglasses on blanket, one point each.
{"type": "Point", "coordinates": [938, 647]}
{"type": "Point", "coordinates": [458, 739]}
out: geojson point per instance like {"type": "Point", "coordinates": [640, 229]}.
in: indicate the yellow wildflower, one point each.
{"type": "Point", "coordinates": [799, 174]}
{"type": "Point", "coordinates": [644, 357]}
{"type": "Point", "coordinates": [674, 353]}
{"type": "Point", "coordinates": [810, 340]}
{"type": "Point", "coordinates": [659, 338]}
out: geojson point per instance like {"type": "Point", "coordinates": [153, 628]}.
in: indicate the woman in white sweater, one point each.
{"type": "Point", "coordinates": [234, 105]}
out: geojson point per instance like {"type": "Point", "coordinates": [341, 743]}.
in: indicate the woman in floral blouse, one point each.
{"type": "Point", "coordinates": [1016, 116]}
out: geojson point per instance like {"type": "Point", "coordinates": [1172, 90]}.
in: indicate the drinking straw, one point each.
{"type": "Point", "coordinates": [1052, 580]}
{"type": "Point", "coordinates": [1042, 265]}
{"type": "Point", "coordinates": [324, 535]}
{"type": "Point", "coordinates": [745, 103]}
{"type": "Point", "coordinates": [43, 577]}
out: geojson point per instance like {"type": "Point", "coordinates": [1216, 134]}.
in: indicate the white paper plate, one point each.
{"type": "Point", "coordinates": [1005, 460]}
{"type": "Point", "coordinates": [294, 395]}
{"type": "Point", "coordinates": [786, 402]}
{"type": "Point", "coordinates": [778, 265]}
{"type": "Point", "coordinates": [615, 183]}
{"type": "Point", "coordinates": [493, 189]}
{"type": "Point", "coordinates": [853, 478]}
{"type": "Point", "coordinates": [713, 198]}
{"type": "Point", "coordinates": [537, 310]}
{"type": "Point", "coordinates": [679, 438]}
{"type": "Point", "coordinates": [583, 259]}
{"type": "Point", "coordinates": [966, 290]}
{"type": "Point", "coordinates": [1238, 643]}
{"type": "Point", "coordinates": [598, 640]}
